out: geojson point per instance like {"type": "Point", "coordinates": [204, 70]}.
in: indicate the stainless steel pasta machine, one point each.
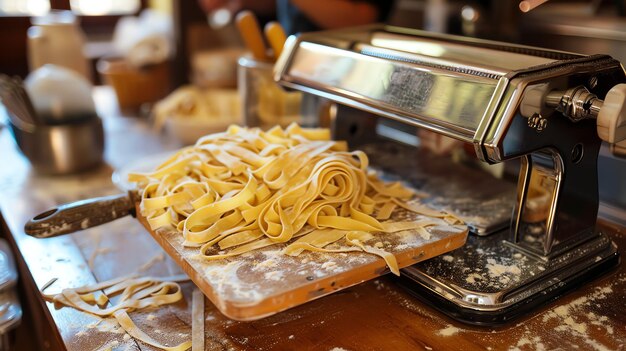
{"type": "Point", "coordinates": [551, 110]}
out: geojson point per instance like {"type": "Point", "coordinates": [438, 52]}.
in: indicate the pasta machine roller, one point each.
{"type": "Point", "coordinates": [549, 109]}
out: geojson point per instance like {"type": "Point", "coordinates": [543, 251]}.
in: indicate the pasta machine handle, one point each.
{"type": "Point", "coordinates": [611, 120]}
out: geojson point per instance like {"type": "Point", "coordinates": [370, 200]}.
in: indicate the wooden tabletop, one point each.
{"type": "Point", "coordinates": [376, 315]}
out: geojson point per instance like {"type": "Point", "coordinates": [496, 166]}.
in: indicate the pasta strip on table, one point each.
{"type": "Point", "coordinates": [134, 294]}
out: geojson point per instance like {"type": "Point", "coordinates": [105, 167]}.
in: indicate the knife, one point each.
{"type": "Point", "coordinates": [79, 215]}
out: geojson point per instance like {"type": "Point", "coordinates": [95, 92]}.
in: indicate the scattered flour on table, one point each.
{"type": "Point", "coordinates": [225, 281]}
{"type": "Point", "coordinates": [402, 247]}
{"type": "Point", "coordinates": [272, 259]}
{"type": "Point", "coordinates": [449, 331]}
{"type": "Point", "coordinates": [330, 265]}
{"type": "Point", "coordinates": [274, 275]}
{"type": "Point", "coordinates": [473, 277]}
{"type": "Point", "coordinates": [448, 258]}
{"type": "Point", "coordinates": [379, 285]}
{"type": "Point", "coordinates": [496, 269]}
{"type": "Point", "coordinates": [600, 321]}
{"type": "Point", "coordinates": [534, 343]}
{"type": "Point", "coordinates": [580, 326]}
{"type": "Point", "coordinates": [269, 263]}
{"type": "Point", "coordinates": [338, 349]}
{"type": "Point", "coordinates": [504, 273]}
{"type": "Point", "coordinates": [106, 325]}
{"type": "Point", "coordinates": [108, 346]}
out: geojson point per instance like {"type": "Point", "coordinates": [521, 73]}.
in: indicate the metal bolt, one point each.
{"type": "Point", "coordinates": [543, 123]}
{"type": "Point", "coordinates": [537, 122]}
{"type": "Point", "coordinates": [593, 82]}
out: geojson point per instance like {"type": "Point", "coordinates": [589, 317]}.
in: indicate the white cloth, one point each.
{"type": "Point", "coordinates": [144, 40]}
{"type": "Point", "coordinates": [59, 94]}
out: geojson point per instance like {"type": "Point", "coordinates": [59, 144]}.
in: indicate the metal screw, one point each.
{"type": "Point", "coordinates": [593, 82]}
{"type": "Point", "coordinates": [537, 122]}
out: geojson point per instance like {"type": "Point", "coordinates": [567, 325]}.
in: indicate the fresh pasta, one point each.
{"type": "Point", "coordinates": [134, 294]}
{"type": "Point", "coordinates": [245, 189]}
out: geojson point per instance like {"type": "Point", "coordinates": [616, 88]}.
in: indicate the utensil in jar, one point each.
{"type": "Point", "coordinates": [528, 5]}
{"type": "Point", "coordinates": [79, 215]}
{"type": "Point", "coordinates": [17, 102]}
{"type": "Point", "coordinates": [251, 34]}
{"type": "Point", "coordinates": [275, 35]}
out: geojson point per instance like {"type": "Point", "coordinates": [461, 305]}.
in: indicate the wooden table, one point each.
{"type": "Point", "coordinates": [376, 315]}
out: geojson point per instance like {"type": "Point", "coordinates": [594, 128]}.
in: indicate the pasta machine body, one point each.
{"type": "Point", "coordinates": [550, 110]}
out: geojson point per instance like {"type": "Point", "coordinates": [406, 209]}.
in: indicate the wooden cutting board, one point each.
{"type": "Point", "coordinates": [265, 282]}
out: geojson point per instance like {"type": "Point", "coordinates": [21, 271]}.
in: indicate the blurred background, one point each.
{"type": "Point", "coordinates": [589, 26]}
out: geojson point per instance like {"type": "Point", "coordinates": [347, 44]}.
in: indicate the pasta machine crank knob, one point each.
{"type": "Point", "coordinates": [611, 120]}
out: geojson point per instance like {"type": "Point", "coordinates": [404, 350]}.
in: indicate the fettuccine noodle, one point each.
{"type": "Point", "coordinates": [135, 294]}
{"type": "Point", "coordinates": [245, 189]}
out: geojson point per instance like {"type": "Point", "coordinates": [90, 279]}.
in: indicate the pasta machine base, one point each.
{"type": "Point", "coordinates": [488, 283]}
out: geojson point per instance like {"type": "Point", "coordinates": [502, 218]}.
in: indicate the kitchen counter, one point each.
{"type": "Point", "coordinates": [376, 315]}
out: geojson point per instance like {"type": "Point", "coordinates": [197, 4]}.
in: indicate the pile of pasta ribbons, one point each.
{"type": "Point", "coordinates": [245, 189]}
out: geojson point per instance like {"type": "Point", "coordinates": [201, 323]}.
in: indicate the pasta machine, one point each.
{"type": "Point", "coordinates": [550, 110]}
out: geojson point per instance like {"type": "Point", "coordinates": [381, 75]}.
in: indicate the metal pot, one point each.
{"type": "Point", "coordinates": [63, 148]}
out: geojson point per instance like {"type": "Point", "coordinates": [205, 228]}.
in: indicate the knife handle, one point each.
{"type": "Point", "coordinates": [251, 34]}
{"type": "Point", "coordinates": [79, 215]}
{"type": "Point", "coordinates": [276, 37]}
